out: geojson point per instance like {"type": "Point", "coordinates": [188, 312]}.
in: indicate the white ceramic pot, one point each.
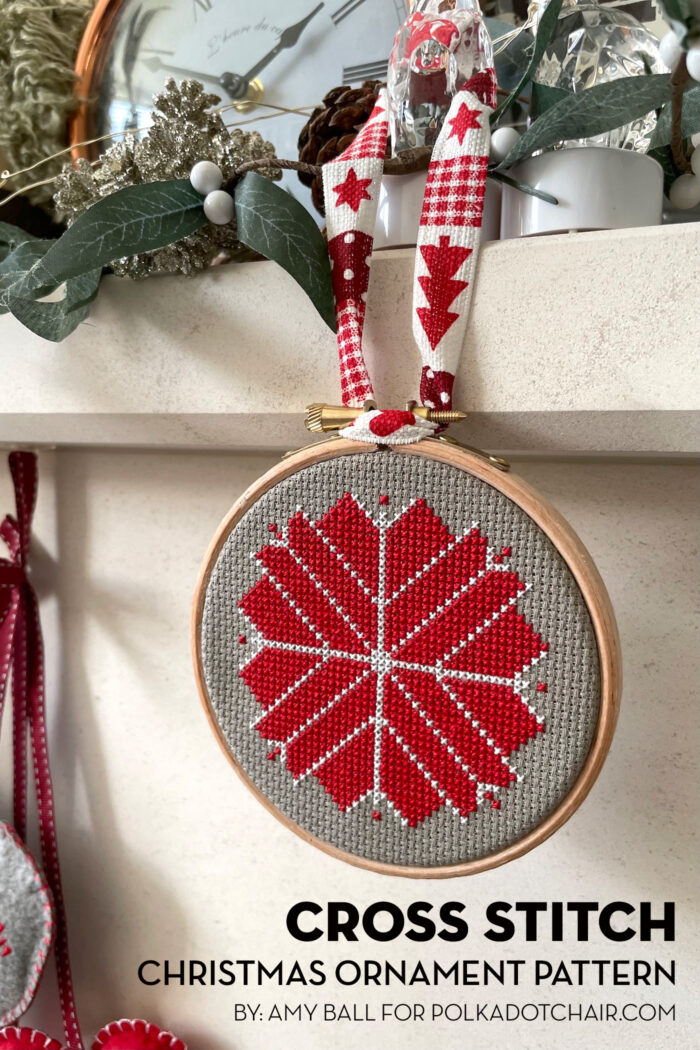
{"type": "Point", "coordinates": [401, 202]}
{"type": "Point", "coordinates": [597, 189]}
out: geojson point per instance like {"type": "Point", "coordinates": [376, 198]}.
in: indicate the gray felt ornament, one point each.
{"type": "Point", "coordinates": [26, 926]}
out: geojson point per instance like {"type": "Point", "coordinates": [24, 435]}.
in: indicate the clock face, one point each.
{"type": "Point", "coordinates": [256, 53]}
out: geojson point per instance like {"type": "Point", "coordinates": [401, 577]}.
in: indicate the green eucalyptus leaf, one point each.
{"type": "Point", "coordinates": [544, 97]}
{"type": "Point", "coordinates": [690, 119]}
{"type": "Point", "coordinates": [512, 62]}
{"type": "Point", "coordinates": [664, 157]}
{"type": "Point", "coordinates": [130, 221]}
{"type": "Point", "coordinates": [593, 111]}
{"type": "Point", "coordinates": [10, 237]}
{"type": "Point", "coordinates": [545, 32]}
{"type": "Point", "coordinates": [56, 320]}
{"type": "Point", "coordinates": [17, 269]}
{"type": "Point", "coordinates": [273, 223]}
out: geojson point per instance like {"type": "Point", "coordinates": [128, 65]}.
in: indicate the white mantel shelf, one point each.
{"type": "Point", "coordinates": [586, 343]}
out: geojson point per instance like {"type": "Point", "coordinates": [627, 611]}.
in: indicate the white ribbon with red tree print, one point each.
{"type": "Point", "coordinates": [448, 241]}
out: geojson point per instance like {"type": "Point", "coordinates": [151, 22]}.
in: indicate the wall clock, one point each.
{"type": "Point", "coordinates": [255, 53]}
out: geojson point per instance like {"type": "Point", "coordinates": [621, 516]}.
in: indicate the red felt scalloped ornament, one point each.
{"type": "Point", "coordinates": [13, 1038]}
{"type": "Point", "coordinates": [135, 1035]}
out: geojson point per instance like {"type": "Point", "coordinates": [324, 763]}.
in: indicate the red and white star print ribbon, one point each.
{"type": "Point", "coordinates": [446, 253]}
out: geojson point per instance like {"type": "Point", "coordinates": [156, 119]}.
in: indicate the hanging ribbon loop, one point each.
{"type": "Point", "coordinates": [447, 247]}
{"type": "Point", "coordinates": [22, 650]}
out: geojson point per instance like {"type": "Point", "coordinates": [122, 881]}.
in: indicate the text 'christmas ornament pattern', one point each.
{"type": "Point", "coordinates": [400, 660]}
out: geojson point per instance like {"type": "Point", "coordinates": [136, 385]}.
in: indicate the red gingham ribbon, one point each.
{"type": "Point", "coordinates": [21, 648]}
{"type": "Point", "coordinates": [447, 247]}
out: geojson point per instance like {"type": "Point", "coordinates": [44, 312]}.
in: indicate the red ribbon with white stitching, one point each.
{"type": "Point", "coordinates": [447, 247]}
{"type": "Point", "coordinates": [21, 648]}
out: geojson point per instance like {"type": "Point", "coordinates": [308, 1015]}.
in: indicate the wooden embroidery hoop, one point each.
{"type": "Point", "coordinates": [581, 565]}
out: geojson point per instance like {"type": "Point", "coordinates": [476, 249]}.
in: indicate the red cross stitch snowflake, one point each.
{"type": "Point", "coordinates": [389, 659]}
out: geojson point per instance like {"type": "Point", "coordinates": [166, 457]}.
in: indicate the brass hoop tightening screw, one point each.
{"type": "Point", "coordinates": [321, 418]}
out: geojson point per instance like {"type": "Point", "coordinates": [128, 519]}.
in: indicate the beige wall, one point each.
{"type": "Point", "coordinates": [167, 855]}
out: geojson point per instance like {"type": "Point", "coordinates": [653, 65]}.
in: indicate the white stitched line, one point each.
{"type": "Point", "coordinates": [462, 762]}
{"type": "Point", "coordinates": [312, 650]}
{"type": "Point", "coordinates": [336, 553]}
{"type": "Point", "coordinates": [488, 622]}
{"type": "Point", "coordinates": [333, 751]}
{"type": "Point", "coordinates": [422, 766]}
{"type": "Point", "coordinates": [440, 609]}
{"type": "Point", "coordinates": [477, 725]}
{"type": "Point", "coordinates": [356, 803]}
{"type": "Point", "coordinates": [319, 714]}
{"type": "Point", "coordinates": [285, 594]}
{"type": "Point", "coordinates": [334, 604]}
{"type": "Point", "coordinates": [287, 692]}
{"type": "Point", "coordinates": [439, 671]}
{"type": "Point", "coordinates": [429, 564]}
{"type": "Point", "coordinates": [379, 648]}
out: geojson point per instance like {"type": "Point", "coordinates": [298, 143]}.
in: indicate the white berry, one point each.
{"type": "Point", "coordinates": [670, 50]}
{"type": "Point", "coordinates": [218, 207]}
{"type": "Point", "coordinates": [206, 177]}
{"type": "Point", "coordinates": [685, 191]}
{"type": "Point", "coordinates": [502, 142]}
{"type": "Point", "coordinates": [692, 61]}
{"type": "Point", "coordinates": [695, 161]}
{"type": "Point", "coordinates": [695, 139]}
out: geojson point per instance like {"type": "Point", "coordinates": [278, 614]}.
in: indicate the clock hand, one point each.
{"type": "Point", "coordinates": [288, 39]}
{"type": "Point", "coordinates": [155, 65]}
{"type": "Point", "coordinates": [235, 86]}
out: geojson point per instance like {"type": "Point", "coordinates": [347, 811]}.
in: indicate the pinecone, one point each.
{"type": "Point", "coordinates": [332, 127]}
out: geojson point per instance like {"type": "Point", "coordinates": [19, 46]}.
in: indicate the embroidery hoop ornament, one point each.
{"type": "Point", "coordinates": [475, 727]}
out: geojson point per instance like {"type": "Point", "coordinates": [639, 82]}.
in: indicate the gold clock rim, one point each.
{"type": "Point", "coordinates": [89, 66]}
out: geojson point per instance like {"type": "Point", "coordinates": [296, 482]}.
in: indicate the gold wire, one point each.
{"type": "Point", "coordinates": [6, 175]}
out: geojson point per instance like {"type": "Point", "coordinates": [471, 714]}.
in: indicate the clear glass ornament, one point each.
{"type": "Point", "coordinates": [441, 45]}
{"type": "Point", "coordinates": [593, 45]}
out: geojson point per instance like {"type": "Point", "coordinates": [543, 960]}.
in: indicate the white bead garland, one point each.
{"type": "Point", "coordinates": [695, 161]}
{"type": "Point", "coordinates": [206, 177]}
{"type": "Point", "coordinates": [218, 207]}
{"type": "Point", "coordinates": [670, 50]}
{"type": "Point", "coordinates": [685, 191]}
{"type": "Point", "coordinates": [692, 61]}
{"type": "Point", "coordinates": [502, 142]}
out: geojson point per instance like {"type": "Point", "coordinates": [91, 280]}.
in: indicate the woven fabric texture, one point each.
{"type": "Point", "coordinates": [26, 927]}
{"type": "Point", "coordinates": [400, 659]}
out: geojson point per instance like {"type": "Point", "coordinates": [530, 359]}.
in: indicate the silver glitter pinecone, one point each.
{"type": "Point", "coordinates": [184, 131]}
